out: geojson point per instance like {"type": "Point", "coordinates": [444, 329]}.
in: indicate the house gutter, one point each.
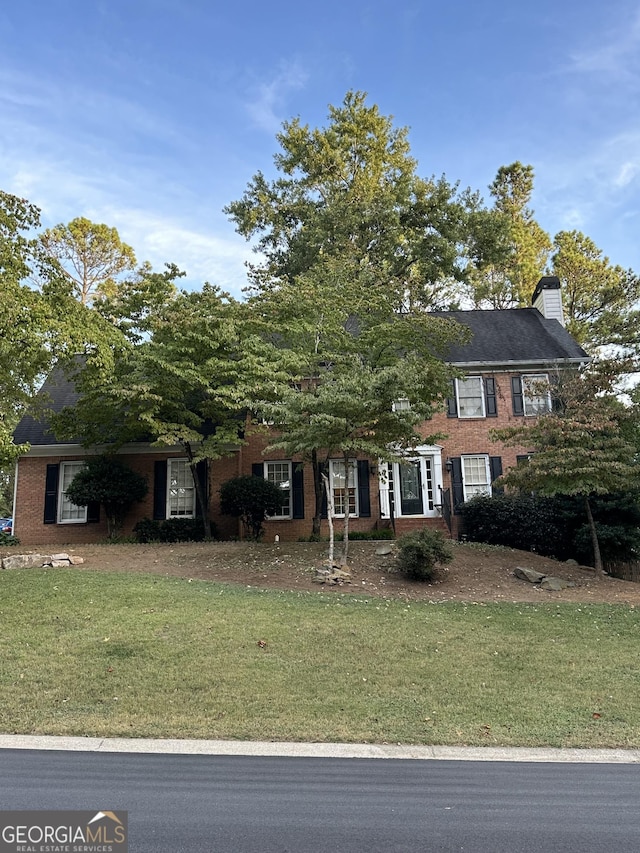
{"type": "Point", "coordinates": [510, 366]}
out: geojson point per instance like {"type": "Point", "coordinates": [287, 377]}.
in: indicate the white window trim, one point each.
{"type": "Point", "coordinates": [482, 401]}
{"type": "Point", "coordinates": [289, 515]}
{"type": "Point", "coordinates": [167, 512]}
{"type": "Point", "coordinates": [532, 378]}
{"type": "Point", "coordinates": [485, 457]}
{"type": "Point", "coordinates": [353, 466]}
{"type": "Point", "coordinates": [61, 496]}
{"type": "Point", "coordinates": [402, 404]}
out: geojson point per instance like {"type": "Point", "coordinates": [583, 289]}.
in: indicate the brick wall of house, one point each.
{"type": "Point", "coordinates": [458, 436]}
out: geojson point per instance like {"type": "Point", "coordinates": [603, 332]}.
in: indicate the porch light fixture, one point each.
{"type": "Point", "coordinates": [449, 464]}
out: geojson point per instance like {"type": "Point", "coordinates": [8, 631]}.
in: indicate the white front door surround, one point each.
{"type": "Point", "coordinates": [411, 489]}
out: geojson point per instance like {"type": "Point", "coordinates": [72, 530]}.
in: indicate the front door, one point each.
{"type": "Point", "coordinates": [411, 488]}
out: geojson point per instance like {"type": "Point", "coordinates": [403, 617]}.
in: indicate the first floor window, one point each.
{"type": "Point", "coordinates": [470, 397]}
{"type": "Point", "coordinates": [69, 513]}
{"type": "Point", "coordinates": [280, 474]}
{"type": "Point", "coordinates": [181, 490]}
{"type": "Point", "coordinates": [344, 486]}
{"type": "Point", "coordinates": [476, 477]}
{"type": "Point", "coordinates": [535, 394]}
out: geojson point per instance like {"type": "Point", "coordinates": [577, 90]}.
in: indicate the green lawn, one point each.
{"type": "Point", "coordinates": [88, 653]}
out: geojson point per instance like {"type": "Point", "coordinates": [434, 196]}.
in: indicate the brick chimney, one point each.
{"type": "Point", "coordinates": [547, 298]}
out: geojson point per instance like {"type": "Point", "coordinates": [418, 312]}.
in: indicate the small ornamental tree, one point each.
{"type": "Point", "coordinates": [110, 483]}
{"type": "Point", "coordinates": [252, 499]}
{"type": "Point", "coordinates": [582, 448]}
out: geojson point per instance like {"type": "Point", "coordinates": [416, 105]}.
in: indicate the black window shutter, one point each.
{"type": "Point", "coordinates": [495, 468]}
{"type": "Point", "coordinates": [324, 507]}
{"type": "Point", "coordinates": [452, 407]}
{"type": "Point", "coordinates": [554, 390]}
{"type": "Point", "coordinates": [490, 399]}
{"type": "Point", "coordinates": [51, 494]}
{"type": "Point", "coordinates": [516, 395]}
{"type": "Point", "coordinates": [297, 490]}
{"type": "Point", "coordinates": [93, 512]}
{"type": "Point", "coordinates": [202, 473]}
{"type": "Point", "coordinates": [160, 490]}
{"type": "Point", "coordinates": [257, 469]}
{"type": "Point", "coordinates": [456, 483]}
{"type": "Point", "coordinates": [364, 496]}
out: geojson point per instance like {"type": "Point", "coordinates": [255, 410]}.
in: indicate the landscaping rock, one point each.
{"type": "Point", "coordinates": [24, 561]}
{"type": "Point", "coordinates": [384, 550]}
{"type": "Point", "coordinates": [528, 575]}
{"type": "Point", "coordinates": [39, 561]}
{"type": "Point", "coordinates": [555, 584]}
{"type": "Point", "coordinates": [331, 575]}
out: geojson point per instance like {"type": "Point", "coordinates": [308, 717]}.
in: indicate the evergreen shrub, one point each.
{"type": "Point", "coordinates": [420, 551]}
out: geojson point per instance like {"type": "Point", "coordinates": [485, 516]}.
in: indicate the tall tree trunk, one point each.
{"type": "Point", "coordinates": [597, 557]}
{"type": "Point", "coordinates": [344, 559]}
{"type": "Point", "coordinates": [318, 488]}
{"type": "Point", "coordinates": [330, 510]}
{"type": "Point", "coordinates": [202, 495]}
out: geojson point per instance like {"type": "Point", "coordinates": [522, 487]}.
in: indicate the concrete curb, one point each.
{"type": "Point", "coordinates": [320, 750]}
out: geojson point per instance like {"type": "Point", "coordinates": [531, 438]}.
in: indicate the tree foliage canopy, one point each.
{"type": "Point", "coordinates": [91, 255]}
{"type": "Point", "coordinates": [583, 447]}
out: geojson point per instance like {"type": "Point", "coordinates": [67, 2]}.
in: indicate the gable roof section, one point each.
{"type": "Point", "coordinates": [57, 392]}
{"type": "Point", "coordinates": [512, 337]}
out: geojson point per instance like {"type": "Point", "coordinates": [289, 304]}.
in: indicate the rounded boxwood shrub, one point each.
{"type": "Point", "coordinates": [251, 499]}
{"type": "Point", "coordinates": [420, 552]}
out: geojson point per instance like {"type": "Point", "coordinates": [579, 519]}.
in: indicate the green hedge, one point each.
{"type": "Point", "coordinates": [171, 530]}
{"type": "Point", "coordinates": [556, 527]}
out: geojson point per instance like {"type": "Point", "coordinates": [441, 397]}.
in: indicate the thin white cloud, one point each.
{"type": "Point", "coordinates": [203, 255]}
{"type": "Point", "coordinates": [614, 54]}
{"type": "Point", "coordinates": [267, 108]}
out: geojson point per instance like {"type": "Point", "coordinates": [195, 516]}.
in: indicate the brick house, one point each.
{"type": "Point", "coordinates": [510, 354]}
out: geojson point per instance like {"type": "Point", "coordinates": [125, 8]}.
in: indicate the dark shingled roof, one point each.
{"type": "Point", "coordinates": [512, 336]}
{"type": "Point", "coordinates": [56, 393]}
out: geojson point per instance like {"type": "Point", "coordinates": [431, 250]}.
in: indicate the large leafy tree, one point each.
{"type": "Point", "coordinates": [37, 327]}
{"type": "Point", "coordinates": [181, 385]}
{"type": "Point", "coordinates": [354, 248]}
{"type": "Point", "coordinates": [509, 279]}
{"type": "Point", "coordinates": [350, 190]}
{"type": "Point", "coordinates": [585, 447]}
{"type": "Point", "coordinates": [600, 300]}
{"type": "Point", "coordinates": [91, 255]}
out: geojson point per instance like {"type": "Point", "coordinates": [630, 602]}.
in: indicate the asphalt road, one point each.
{"type": "Point", "coordinates": [243, 804]}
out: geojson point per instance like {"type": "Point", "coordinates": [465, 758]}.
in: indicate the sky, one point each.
{"type": "Point", "coordinates": [152, 115]}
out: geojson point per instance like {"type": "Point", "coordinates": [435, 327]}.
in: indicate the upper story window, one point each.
{"type": "Point", "coordinates": [181, 493]}
{"type": "Point", "coordinates": [531, 394]}
{"type": "Point", "coordinates": [470, 397]}
{"type": "Point", "coordinates": [280, 474]}
{"type": "Point", "coordinates": [69, 513]}
{"type": "Point", "coordinates": [473, 397]}
{"type": "Point", "coordinates": [402, 405]}
{"type": "Point", "coordinates": [344, 486]}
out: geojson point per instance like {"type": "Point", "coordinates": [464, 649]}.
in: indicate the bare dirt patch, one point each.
{"type": "Point", "coordinates": [478, 572]}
